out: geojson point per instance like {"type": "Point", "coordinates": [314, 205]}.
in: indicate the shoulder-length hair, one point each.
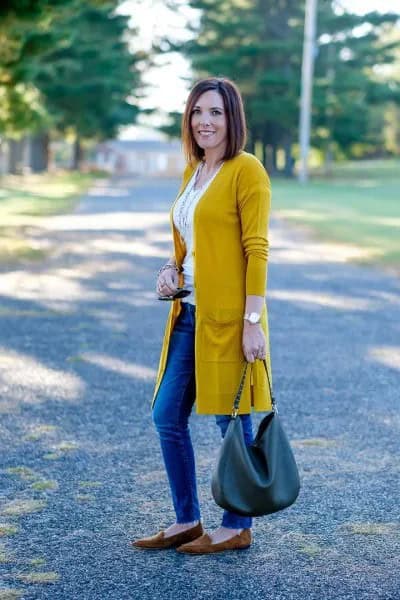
{"type": "Point", "coordinates": [234, 112]}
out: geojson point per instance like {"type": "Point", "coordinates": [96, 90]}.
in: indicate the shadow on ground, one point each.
{"type": "Point", "coordinates": [81, 471]}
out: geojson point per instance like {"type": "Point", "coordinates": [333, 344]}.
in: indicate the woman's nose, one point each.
{"type": "Point", "coordinates": [205, 121]}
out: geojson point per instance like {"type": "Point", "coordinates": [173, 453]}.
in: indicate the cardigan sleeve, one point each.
{"type": "Point", "coordinates": [254, 203]}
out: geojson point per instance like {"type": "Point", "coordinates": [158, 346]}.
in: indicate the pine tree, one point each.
{"type": "Point", "coordinates": [75, 63]}
{"type": "Point", "coordinates": [258, 44]}
{"type": "Point", "coordinates": [349, 100]}
{"type": "Point", "coordinates": [87, 80]}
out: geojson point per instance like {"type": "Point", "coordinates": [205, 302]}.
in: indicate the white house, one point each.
{"type": "Point", "coordinates": [140, 157]}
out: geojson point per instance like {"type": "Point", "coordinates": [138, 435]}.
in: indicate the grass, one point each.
{"type": "Point", "coordinates": [23, 472]}
{"type": "Point", "coordinates": [36, 562]}
{"type": "Point", "coordinates": [10, 594]}
{"type": "Point", "coordinates": [7, 529]}
{"type": "Point", "coordinates": [369, 528]}
{"type": "Point", "coordinates": [52, 455]}
{"type": "Point", "coordinates": [66, 446]}
{"type": "Point", "coordinates": [39, 484]}
{"type": "Point", "coordinates": [321, 442]}
{"type": "Point", "coordinates": [44, 485]}
{"type": "Point", "coordinates": [306, 544]}
{"type": "Point", "coordinates": [85, 497]}
{"type": "Point", "coordinates": [90, 484]}
{"type": "Point", "coordinates": [25, 198]}
{"type": "Point", "coordinates": [34, 577]}
{"type": "Point", "coordinates": [39, 432]}
{"type": "Point", "coordinates": [358, 205]}
{"type": "Point", "coordinates": [4, 556]}
{"type": "Point", "coordinates": [22, 507]}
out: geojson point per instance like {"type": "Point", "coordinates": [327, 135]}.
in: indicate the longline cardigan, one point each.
{"type": "Point", "coordinates": [230, 250]}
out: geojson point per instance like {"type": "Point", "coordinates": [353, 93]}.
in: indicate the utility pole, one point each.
{"type": "Point", "coordinates": [307, 71]}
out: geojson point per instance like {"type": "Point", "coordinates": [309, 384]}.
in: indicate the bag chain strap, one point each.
{"type": "Point", "coordinates": [236, 402]}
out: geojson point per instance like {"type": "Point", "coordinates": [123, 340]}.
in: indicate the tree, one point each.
{"type": "Point", "coordinates": [87, 81]}
{"type": "Point", "coordinates": [258, 44]}
{"type": "Point", "coordinates": [22, 108]}
{"type": "Point", "coordinates": [349, 100]}
{"type": "Point", "coordinates": [76, 61]}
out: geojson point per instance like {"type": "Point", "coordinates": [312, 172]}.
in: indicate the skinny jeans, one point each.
{"type": "Point", "coordinates": [172, 408]}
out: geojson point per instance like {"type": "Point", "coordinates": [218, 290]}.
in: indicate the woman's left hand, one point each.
{"type": "Point", "coordinates": [253, 342]}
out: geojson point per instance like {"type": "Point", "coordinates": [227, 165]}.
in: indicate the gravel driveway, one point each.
{"type": "Point", "coordinates": [81, 471]}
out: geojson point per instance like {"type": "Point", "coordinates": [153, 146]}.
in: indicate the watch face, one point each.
{"type": "Point", "coordinates": [254, 317]}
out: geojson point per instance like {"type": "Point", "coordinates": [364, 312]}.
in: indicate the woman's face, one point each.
{"type": "Point", "coordinates": [208, 121]}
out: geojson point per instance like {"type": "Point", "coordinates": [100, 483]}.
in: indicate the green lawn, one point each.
{"type": "Point", "coordinates": [358, 205]}
{"type": "Point", "coordinates": [25, 198]}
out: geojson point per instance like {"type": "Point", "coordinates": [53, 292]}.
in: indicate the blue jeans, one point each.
{"type": "Point", "coordinates": [172, 408]}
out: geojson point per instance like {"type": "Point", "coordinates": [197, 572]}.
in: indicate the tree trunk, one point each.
{"type": "Point", "coordinates": [15, 156]}
{"type": "Point", "coordinates": [76, 154]}
{"type": "Point", "coordinates": [328, 160]}
{"type": "Point", "coordinates": [268, 158]}
{"type": "Point", "coordinates": [289, 162]}
{"type": "Point", "coordinates": [262, 152]}
{"type": "Point", "coordinates": [26, 155]}
{"type": "Point", "coordinates": [274, 158]}
{"type": "Point", "coordinates": [3, 156]}
{"type": "Point", "coordinates": [39, 155]}
{"type": "Point", "coordinates": [264, 141]}
{"type": "Point", "coordinates": [251, 142]}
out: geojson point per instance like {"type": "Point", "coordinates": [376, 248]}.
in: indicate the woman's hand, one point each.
{"type": "Point", "coordinates": [253, 342]}
{"type": "Point", "coordinates": [167, 280]}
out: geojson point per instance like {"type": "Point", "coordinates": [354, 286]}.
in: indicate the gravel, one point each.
{"type": "Point", "coordinates": [79, 340]}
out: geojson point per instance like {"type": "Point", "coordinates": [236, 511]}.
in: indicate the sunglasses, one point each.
{"type": "Point", "coordinates": [180, 293]}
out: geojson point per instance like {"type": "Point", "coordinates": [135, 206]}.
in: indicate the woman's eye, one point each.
{"type": "Point", "coordinates": [213, 112]}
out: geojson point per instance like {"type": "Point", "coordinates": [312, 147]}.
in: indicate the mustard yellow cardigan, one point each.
{"type": "Point", "coordinates": [230, 260]}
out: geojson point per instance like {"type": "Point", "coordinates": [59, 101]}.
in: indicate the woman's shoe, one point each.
{"type": "Point", "coordinates": [159, 541]}
{"type": "Point", "coordinates": [204, 545]}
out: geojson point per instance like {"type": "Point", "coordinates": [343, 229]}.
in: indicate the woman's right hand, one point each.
{"type": "Point", "coordinates": [167, 281]}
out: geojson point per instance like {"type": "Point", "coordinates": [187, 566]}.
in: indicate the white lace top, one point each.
{"type": "Point", "coordinates": [183, 220]}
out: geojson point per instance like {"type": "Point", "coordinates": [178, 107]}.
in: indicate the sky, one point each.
{"type": "Point", "coordinates": [167, 89]}
{"type": "Point", "coordinates": [167, 86]}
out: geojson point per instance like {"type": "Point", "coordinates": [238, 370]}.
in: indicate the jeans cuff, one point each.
{"type": "Point", "coordinates": [233, 521]}
{"type": "Point", "coordinates": [187, 518]}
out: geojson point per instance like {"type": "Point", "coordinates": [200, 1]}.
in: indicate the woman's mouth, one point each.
{"type": "Point", "coordinates": [206, 133]}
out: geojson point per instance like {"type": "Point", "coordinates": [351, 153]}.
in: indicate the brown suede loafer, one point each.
{"type": "Point", "coordinates": [159, 541]}
{"type": "Point", "coordinates": [204, 545]}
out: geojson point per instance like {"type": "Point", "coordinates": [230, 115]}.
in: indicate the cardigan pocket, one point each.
{"type": "Point", "coordinates": [221, 341]}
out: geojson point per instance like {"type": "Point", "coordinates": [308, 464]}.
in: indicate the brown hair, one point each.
{"type": "Point", "coordinates": [235, 118]}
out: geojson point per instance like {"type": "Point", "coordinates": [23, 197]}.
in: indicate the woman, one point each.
{"type": "Point", "coordinates": [219, 226]}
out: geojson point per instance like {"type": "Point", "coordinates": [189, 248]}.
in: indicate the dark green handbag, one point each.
{"type": "Point", "coordinates": [259, 479]}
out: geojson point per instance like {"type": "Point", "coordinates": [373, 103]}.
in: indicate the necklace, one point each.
{"type": "Point", "coordinates": [199, 173]}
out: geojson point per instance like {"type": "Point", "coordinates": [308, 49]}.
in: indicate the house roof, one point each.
{"type": "Point", "coordinates": [144, 145]}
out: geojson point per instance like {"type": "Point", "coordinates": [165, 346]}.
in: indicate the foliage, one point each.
{"type": "Point", "coordinates": [74, 60]}
{"type": "Point", "coordinates": [349, 98]}
{"type": "Point", "coordinates": [258, 44]}
{"type": "Point", "coordinates": [87, 80]}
